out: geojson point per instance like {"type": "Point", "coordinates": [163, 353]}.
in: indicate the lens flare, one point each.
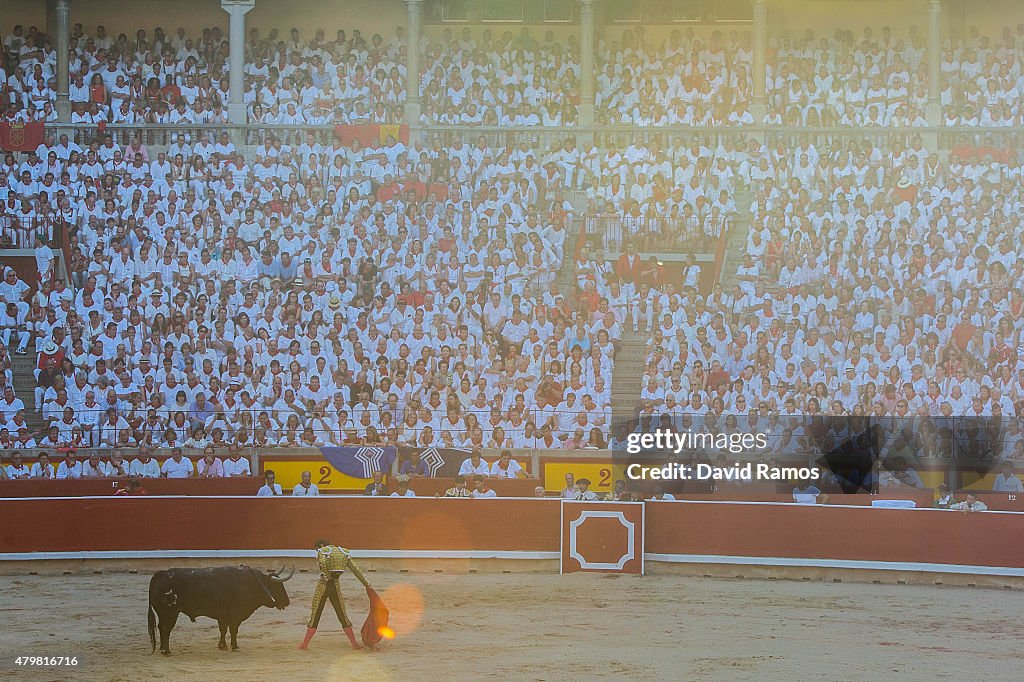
{"type": "Point", "coordinates": [405, 601]}
{"type": "Point", "coordinates": [386, 632]}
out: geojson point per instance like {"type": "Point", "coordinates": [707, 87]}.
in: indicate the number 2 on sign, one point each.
{"type": "Point", "coordinates": [325, 475]}
{"type": "Point", "coordinates": [606, 476]}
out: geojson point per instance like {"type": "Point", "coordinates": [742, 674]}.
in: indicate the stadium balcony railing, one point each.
{"type": "Point", "coordinates": [229, 422]}
{"type": "Point", "coordinates": [19, 231]}
{"type": "Point", "coordinates": [546, 139]}
{"type": "Point", "coordinates": [17, 238]}
{"type": "Point", "coordinates": [696, 234]}
{"type": "Point", "coordinates": [942, 438]}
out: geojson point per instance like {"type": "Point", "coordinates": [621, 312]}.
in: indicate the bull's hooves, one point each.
{"type": "Point", "coordinates": [166, 653]}
{"type": "Point", "coordinates": [222, 647]}
{"type": "Point", "coordinates": [234, 648]}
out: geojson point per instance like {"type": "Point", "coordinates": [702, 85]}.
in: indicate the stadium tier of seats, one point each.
{"type": "Point", "coordinates": [300, 289]}
{"type": "Point", "coordinates": [498, 78]}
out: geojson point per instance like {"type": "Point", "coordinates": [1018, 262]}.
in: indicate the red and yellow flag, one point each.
{"type": "Point", "coordinates": [21, 137]}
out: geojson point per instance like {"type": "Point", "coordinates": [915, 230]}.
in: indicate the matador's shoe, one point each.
{"type": "Point", "coordinates": [352, 638]}
{"type": "Point", "coordinates": [309, 635]}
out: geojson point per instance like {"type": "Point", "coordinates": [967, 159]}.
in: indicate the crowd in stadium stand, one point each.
{"type": "Point", "coordinates": [238, 304]}
{"type": "Point", "coordinates": [873, 79]}
{"type": "Point", "coordinates": [323, 294]}
{"type": "Point", "coordinates": [878, 282]}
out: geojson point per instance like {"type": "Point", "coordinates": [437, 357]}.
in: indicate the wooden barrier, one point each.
{"type": "Point", "coordinates": [812, 532]}
{"type": "Point", "coordinates": [283, 523]}
{"type": "Point", "coordinates": [429, 487]}
{"type": "Point", "coordinates": [768, 534]}
{"type": "Point", "coordinates": [999, 501]}
{"type": "Point", "coordinates": [602, 537]}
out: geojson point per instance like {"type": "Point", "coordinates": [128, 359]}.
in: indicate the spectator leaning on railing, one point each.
{"type": "Point", "coordinates": [970, 504]}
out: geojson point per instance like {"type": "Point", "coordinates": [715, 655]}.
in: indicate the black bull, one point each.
{"type": "Point", "coordinates": [226, 594]}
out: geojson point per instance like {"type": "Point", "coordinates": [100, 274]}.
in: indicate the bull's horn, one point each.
{"type": "Point", "coordinates": [277, 571]}
{"type": "Point", "coordinates": [279, 578]}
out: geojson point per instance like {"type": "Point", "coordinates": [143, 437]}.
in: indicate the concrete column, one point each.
{"type": "Point", "coordinates": [934, 110]}
{"type": "Point", "coordinates": [586, 117]}
{"type": "Point", "coordinates": [413, 33]}
{"type": "Point", "coordinates": [759, 72]}
{"type": "Point", "coordinates": [62, 32]}
{"type": "Point", "coordinates": [237, 10]}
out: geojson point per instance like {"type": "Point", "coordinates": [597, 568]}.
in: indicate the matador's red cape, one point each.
{"type": "Point", "coordinates": [376, 620]}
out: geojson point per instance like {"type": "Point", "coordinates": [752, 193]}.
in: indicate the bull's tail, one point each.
{"type": "Point", "coordinates": [152, 627]}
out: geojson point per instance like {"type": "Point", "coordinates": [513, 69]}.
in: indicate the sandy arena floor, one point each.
{"type": "Point", "coordinates": [537, 627]}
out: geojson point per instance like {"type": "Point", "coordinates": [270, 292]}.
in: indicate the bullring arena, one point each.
{"type": "Point", "coordinates": [503, 601]}
{"type": "Point", "coordinates": [387, 291]}
{"type": "Point", "coordinates": [541, 626]}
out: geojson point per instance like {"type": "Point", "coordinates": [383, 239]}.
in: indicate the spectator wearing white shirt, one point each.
{"type": "Point", "coordinates": [480, 489]}
{"type": "Point", "coordinates": [42, 468]}
{"type": "Point", "coordinates": [17, 468]}
{"type": "Point", "coordinates": [474, 465]}
{"type": "Point", "coordinates": [661, 495]}
{"type": "Point", "coordinates": [236, 465]}
{"type": "Point", "coordinates": [971, 504]}
{"type": "Point", "coordinates": [583, 491]}
{"type": "Point", "coordinates": [111, 427]}
{"type": "Point", "coordinates": [306, 487]}
{"type": "Point", "coordinates": [177, 466]}
{"type": "Point", "coordinates": [94, 467]}
{"type": "Point", "coordinates": [144, 466]}
{"type": "Point", "coordinates": [1007, 482]}
{"type": "Point", "coordinates": [515, 330]}
{"type": "Point", "coordinates": [403, 489]}
{"type": "Point", "coordinates": [117, 467]}
{"type": "Point", "coordinates": [506, 467]}
{"type": "Point", "coordinates": [70, 468]}
{"type": "Point", "coordinates": [269, 488]}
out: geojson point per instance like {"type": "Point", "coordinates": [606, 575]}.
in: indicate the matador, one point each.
{"type": "Point", "coordinates": [333, 562]}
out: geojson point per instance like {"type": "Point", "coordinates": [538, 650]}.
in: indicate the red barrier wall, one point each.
{"type": "Point", "coordinates": [243, 523]}
{"type": "Point", "coordinates": [1000, 501]}
{"type": "Point", "coordinates": [526, 525]}
{"type": "Point", "coordinates": [852, 533]}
